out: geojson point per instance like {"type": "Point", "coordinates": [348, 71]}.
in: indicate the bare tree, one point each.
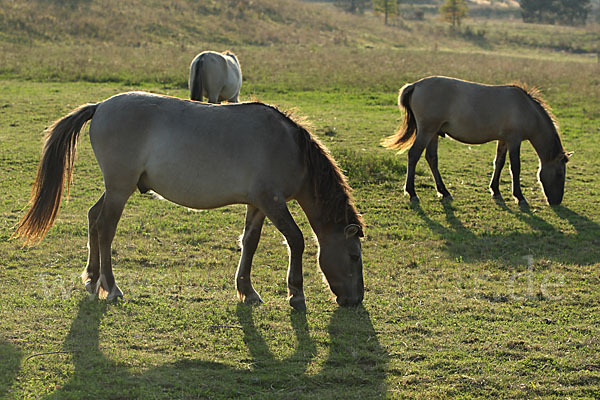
{"type": "Point", "coordinates": [454, 11]}
{"type": "Point", "coordinates": [386, 7]}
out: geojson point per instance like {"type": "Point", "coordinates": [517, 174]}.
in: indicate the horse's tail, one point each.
{"type": "Point", "coordinates": [196, 79]}
{"type": "Point", "coordinates": [405, 135]}
{"type": "Point", "coordinates": [55, 167]}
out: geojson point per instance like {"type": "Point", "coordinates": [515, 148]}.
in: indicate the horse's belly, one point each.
{"type": "Point", "coordinates": [471, 139]}
{"type": "Point", "coordinates": [196, 192]}
{"type": "Point", "coordinates": [471, 133]}
{"type": "Point", "coordinates": [204, 202]}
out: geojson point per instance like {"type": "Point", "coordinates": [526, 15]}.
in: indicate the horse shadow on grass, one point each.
{"type": "Point", "coordinates": [10, 357]}
{"type": "Point", "coordinates": [544, 239]}
{"type": "Point", "coordinates": [355, 359]}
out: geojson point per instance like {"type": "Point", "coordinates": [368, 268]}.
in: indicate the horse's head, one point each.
{"type": "Point", "coordinates": [552, 177]}
{"type": "Point", "coordinates": [232, 55]}
{"type": "Point", "coordinates": [340, 259]}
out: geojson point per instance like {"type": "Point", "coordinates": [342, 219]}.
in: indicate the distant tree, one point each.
{"type": "Point", "coordinates": [386, 7]}
{"type": "Point", "coordinates": [533, 10]}
{"type": "Point", "coordinates": [353, 6]}
{"type": "Point", "coordinates": [566, 12]}
{"type": "Point", "coordinates": [573, 12]}
{"type": "Point", "coordinates": [454, 11]}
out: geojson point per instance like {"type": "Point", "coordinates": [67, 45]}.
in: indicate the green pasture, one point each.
{"type": "Point", "coordinates": [465, 299]}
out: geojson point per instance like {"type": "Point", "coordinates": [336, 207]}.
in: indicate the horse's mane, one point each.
{"type": "Point", "coordinates": [330, 186]}
{"type": "Point", "coordinates": [231, 54]}
{"type": "Point", "coordinates": [535, 96]}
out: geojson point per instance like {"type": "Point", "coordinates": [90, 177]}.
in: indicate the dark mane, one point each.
{"type": "Point", "coordinates": [331, 188]}
{"type": "Point", "coordinates": [535, 95]}
{"type": "Point", "coordinates": [330, 185]}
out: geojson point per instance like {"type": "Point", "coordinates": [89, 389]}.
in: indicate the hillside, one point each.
{"type": "Point", "coordinates": [137, 22]}
{"type": "Point", "coordinates": [248, 22]}
{"type": "Point", "coordinates": [138, 40]}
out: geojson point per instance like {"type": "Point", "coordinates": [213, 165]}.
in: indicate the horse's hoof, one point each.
{"type": "Point", "coordinates": [115, 294]}
{"type": "Point", "coordinates": [90, 287]}
{"type": "Point", "coordinates": [414, 199]}
{"type": "Point", "coordinates": [523, 203]}
{"type": "Point", "coordinates": [298, 302]}
{"type": "Point", "coordinates": [447, 197]}
{"type": "Point", "coordinates": [115, 299]}
{"type": "Point", "coordinates": [251, 299]}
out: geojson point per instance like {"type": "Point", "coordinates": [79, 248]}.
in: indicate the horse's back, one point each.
{"type": "Point", "coordinates": [196, 154]}
{"type": "Point", "coordinates": [470, 112]}
{"type": "Point", "coordinates": [468, 94]}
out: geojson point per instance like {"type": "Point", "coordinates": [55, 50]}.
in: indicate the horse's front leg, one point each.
{"type": "Point", "coordinates": [514, 153]}
{"type": "Point", "coordinates": [276, 210]}
{"type": "Point", "coordinates": [498, 165]}
{"type": "Point", "coordinates": [249, 242]}
{"type": "Point", "coordinates": [431, 155]}
{"type": "Point", "coordinates": [91, 273]}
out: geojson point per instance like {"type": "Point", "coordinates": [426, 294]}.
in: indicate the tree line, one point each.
{"type": "Point", "coordinates": [564, 12]}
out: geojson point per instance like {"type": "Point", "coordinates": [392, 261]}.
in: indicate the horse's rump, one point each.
{"type": "Point", "coordinates": [218, 75]}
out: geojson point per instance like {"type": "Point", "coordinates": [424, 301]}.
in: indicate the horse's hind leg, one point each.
{"type": "Point", "coordinates": [112, 208]}
{"type": "Point", "coordinates": [498, 165]}
{"type": "Point", "coordinates": [213, 90]}
{"type": "Point", "coordinates": [90, 274]}
{"type": "Point", "coordinates": [514, 154]}
{"type": "Point", "coordinates": [431, 156]}
{"type": "Point", "coordinates": [213, 99]}
{"type": "Point", "coordinates": [414, 154]}
{"type": "Point", "coordinates": [249, 242]}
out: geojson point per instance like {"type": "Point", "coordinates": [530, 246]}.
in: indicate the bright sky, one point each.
{"type": "Point", "coordinates": [513, 3]}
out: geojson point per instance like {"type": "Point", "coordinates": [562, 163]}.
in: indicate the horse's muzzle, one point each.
{"type": "Point", "coordinates": [349, 301]}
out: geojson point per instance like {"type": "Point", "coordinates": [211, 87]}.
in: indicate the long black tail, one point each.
{"type": "Point", "coordinates": [196, 80]}
{"type": "Point", "coordinates": [405, 135]}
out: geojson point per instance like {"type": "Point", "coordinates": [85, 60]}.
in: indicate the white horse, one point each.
{"type": "Point", "coordinates": [217, 76]}
{"type": "Point", "coordinates": [205, 156]}
{"type": "Point", "coordinates": [475, 113]}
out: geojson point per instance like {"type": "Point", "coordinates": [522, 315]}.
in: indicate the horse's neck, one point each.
{"type": "Point", "coordinates": [314, 213]}
{"type": "Point", "coordinates": [545, 140]}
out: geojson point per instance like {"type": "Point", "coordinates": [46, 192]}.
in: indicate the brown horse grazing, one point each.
{"type": "Point", "coordinates": [475, 113]}
{"type": "Point", "coordinates": [205, 156]}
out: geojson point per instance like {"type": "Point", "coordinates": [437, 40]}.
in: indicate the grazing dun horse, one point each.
{"type": "Point", "coordinates": [474, 113]}
{"type": "Point", "coordinates": [216, 76]}
{"type": "Point", "coordinates": [204, 156]}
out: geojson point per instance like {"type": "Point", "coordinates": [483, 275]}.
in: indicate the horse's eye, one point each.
{"type": "Point", "coordinates": [354, 257]}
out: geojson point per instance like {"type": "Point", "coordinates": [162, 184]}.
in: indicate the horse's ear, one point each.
{"type": "Point", "coordinates": [567, 156]}
{"type": "Point", "coordinates": [563, 157]}
{"type": "Point", "coordinates": [353, 229]}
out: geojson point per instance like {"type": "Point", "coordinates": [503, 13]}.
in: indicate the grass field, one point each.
{"type": "Point", "coordinates": [469, 299]}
